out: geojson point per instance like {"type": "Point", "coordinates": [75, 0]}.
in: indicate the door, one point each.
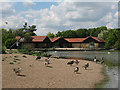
{"type": "Point", "coordinates": [91, 44]}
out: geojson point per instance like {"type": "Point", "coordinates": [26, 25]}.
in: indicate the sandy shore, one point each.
{"type": "Point", "coordinates": [58, 75]}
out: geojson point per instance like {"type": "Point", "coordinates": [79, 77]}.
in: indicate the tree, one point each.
{"type": "Point", "coordinates": [69, 34]}
{"type": "Point", "coordinates": [58, 34]}
{"type": "Point", "coordinates": [9, 42]}
{"type": "Point", "coordinates": [50, 35]}
{"type": "Point", "coordinates": [81, 33]}
{"type": "Point", "coordinates": [110, 40]}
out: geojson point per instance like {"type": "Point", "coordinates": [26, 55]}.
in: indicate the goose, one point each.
{"type": "Point", "coordinates": [38, 58]}
{"type": "Point", "coordinates": [86, 66]}
{"type": "Point", "coordinates": [76, 61]}
{"type": "Point", "coordinates": [102, 61]}
{"type": "Point", "coordinates": [76, 69]}
{"type": "Point", "coordinates": [17, 70]}
{"type": "Point", "coordinates": [70, 62]}
{"type": "Point", "coordinates": [95, 59]}
{"type": "Point", "coordinates": [46, 63]}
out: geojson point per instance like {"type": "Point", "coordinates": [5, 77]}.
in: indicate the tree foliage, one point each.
{"type": "Point", "coordinates": [112, 36]}
{"type": "Point", "coordinates": [50, 35]}
{"type": "Point", "coordinates": [9, 42]}
{"type": "Point", "coordinates": [8, 36]}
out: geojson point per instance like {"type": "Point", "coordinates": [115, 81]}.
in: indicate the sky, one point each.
{"type": "Point", "coordinates": [58, 16]}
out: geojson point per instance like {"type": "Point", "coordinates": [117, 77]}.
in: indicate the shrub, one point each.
{"type": "Point", "coordinates": [24, 56]}
{"type": "Point", "coordinates": [3, 49]}
{"type": "Point", "coordinates": [9, 42]}
{"type": "Point", "coordinates": [16, 56]}
{"type": "Point", "coordinates": [11, 63]}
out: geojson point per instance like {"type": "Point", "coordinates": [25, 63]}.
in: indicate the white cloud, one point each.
{"type": "Point", "coordinates": [28, 16]}
{"type": "Point", "coordinates": [29, 3]}
{"type": "Point", "coordinates": [13, 21]}
{"type": "Point", "coordinates": [67, 15]}
{"type": "Point", "coordinates": [6, 9]}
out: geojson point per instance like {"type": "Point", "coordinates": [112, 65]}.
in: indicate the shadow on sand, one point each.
{"type": "Point", "coordinates": [89, 69]}
{"type": "Point", "coordinates": [49, 66]}
{"type": "Point", "coordinates": [22, 75]}
{"type": "Point", "coordinates": [78, 73]}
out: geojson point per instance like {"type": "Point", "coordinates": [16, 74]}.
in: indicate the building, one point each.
{"type": "Point", "coordinates": [37, 42]}
{"type": "Point", "coordinates": [88, 42]}
{"type": "Point", "coordinates": [59, 42]}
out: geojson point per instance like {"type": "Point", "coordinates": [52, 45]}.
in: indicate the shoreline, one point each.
{"type": "Point", "coordinates": [104, 81]}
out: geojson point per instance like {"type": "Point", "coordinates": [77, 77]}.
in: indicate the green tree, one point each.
{"type": "Point", "coordinates": [9, 42]}
{"type": "Point", "coordinates": [69, 34]}
{"type": "Point", "coordinates": [110, 40]}
{"type": "Point", "coordinates": [50, 35]}
{"type": "Point", "coordinates": [82, 33]}
{"type": "Point", "coordinates": [58, 34]}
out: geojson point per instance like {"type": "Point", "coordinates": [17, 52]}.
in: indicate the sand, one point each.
{"type": "Point", "coordinates": [57, 75]}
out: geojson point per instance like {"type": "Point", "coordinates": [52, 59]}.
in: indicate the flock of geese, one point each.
{"type": "Point", "coordinates": [76, 69]}
{"type": "Point", "coordinates": [47, 62]}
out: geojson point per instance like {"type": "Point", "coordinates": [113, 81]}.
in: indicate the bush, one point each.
{"type": "Point", "coordinates": [24, 56]}
{"type": "Point", "coordinates": [9, 42]}
{"type": "Point", "coordinates": [24, 51]}
{"type": "Point", "coordinates": [11, 63]}
{"type": "Point", "coordinates": [3, 49]}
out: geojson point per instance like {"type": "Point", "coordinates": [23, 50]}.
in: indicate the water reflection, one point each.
{"type": "Point", "coordinates": [87, 54]}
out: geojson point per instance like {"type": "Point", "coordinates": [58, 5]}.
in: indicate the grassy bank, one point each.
{"type": "Point", "coordinates": [106, 79]}
{"type": "Point", "coordinates": [110, 64]}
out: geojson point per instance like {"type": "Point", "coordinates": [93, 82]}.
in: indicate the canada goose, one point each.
{"type": "Point", "coordinates": [102, 61]}
{"type": "Point", "coordinates": [46, 63]}
{"type": "Point", "coordinates": [86, 66]}
{"type": "Point", "coordinates": [70, 62]}
{"type": "Point", "coordinates": [95, 59]}
{"type": "Point", "coordinates": [76, 69]}
{"type": "Point", "coordinates": [38, 58]}
{"type": "Point", "coordinates": [76, 61]}
{"type": "Point", "coordinates": [17, 70]}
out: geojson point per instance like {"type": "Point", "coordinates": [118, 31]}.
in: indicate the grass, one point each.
{"type": "Point", "coordinates": [11, 63]}
{"type": "Point", "coordinates": [24, 56]}
{"type": "Point", "coordinates": [15, 56]}
{"type": "Point", "coordinates": [106, 79]}
{"type": "Point", "coordinates": [18, 63]}
{"type": "Point", "coordinates": [111, 64]}
{"type": "Point", "coordinates": [10, 57]}
{"type": "Point", "coordinates": [16, 59]}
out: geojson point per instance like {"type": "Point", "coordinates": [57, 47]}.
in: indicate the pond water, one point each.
{"type": "Point", "coordinates": [106, 55]}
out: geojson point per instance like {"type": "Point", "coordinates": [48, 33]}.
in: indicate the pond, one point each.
{"type": "Point", "coordinates": [113, 56]}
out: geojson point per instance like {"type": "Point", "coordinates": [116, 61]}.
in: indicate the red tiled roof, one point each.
{"type": "Point", "coordinates": [35, 38]}
{"type": "Point", "coordinates": [38, 38]}
{"type": "Point", "coordinates": [96, 38]}
{"type": "Point", "coordinates": [54, 39]}
{"type": "Point", "coordinates": [75, 39]}
{"type": "Point", "coordinates": [42, 38]}
{"type": "Point", "coordinates": [18, 37]}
